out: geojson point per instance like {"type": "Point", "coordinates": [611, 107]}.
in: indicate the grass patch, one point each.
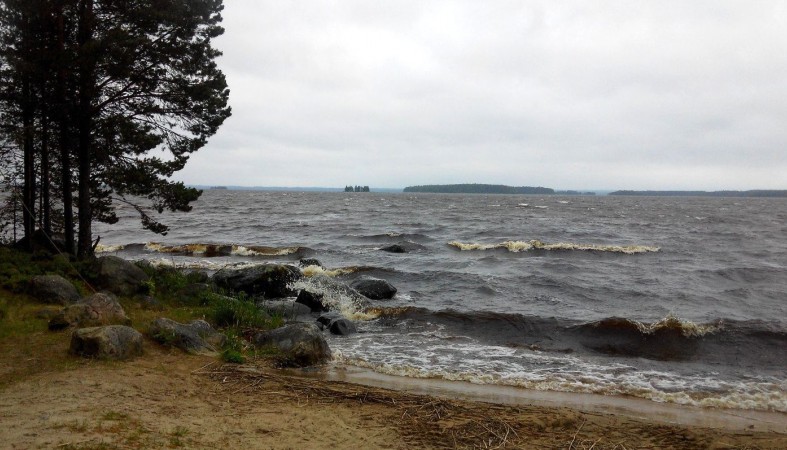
{"type": "Point", "coordinates": [17, 268]}
{"type": "Point", "coordinates": [114, 416]}
{"type": "Point", "coordinates": [174, 287]}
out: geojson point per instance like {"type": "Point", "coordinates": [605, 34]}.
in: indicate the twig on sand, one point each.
{"type": "Point", "coordinates": [68, 444]}
{"type": "Point", "coordinates": [571, 445]}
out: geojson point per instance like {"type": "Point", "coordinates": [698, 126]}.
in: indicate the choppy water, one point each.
{"type": "Point", "coordinates": [672, 299]}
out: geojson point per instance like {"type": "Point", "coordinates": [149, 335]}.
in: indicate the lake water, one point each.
{"type": "Point", "coordinates": [671, 299]}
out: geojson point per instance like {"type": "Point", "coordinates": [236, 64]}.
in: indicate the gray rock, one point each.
{"type": "Point", "coordinates": [118, 276]}
{"type": "Point", "coordinates": [111, 342]}
{"type": "Point", "coordinates": [333, 292]}
{"type": "Point", "coordinates": [268, 280]}
{"type": "Point", "coordinates": [196, 337]}
{"type": "Point", "coordinates": [325, 319]}
{"type": "Point", "coordinates": [93, 311]}
{"type": "Point", "coordinates": [53, 289]}
{"type": "Point", "coordinates": [311, 300]}
{"type": "Point", "coordinates": [285, 308]}
{"type": "Point", "coordinates": [336, 323]}
{"type": "Point", "coordinates": [374, 288]}
{"type": "Point", "coordinates": [301, 344]}
{"type": "Point", "coordinates": [342, 327]}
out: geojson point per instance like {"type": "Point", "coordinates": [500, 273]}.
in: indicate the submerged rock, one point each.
{"type": "Point", "coordinates": [195, 337]}
{"type": "Point", "coordinates": [111, 342]}
{"type": "Point", "coordinates": [301, 344]}
{"type": "Point", "coordinates": [394, 248]}
{"type": "Point", "coordinates": [95, 310]}
{"type": "Point", "coordinates": [374, 288]}
{"type": "Point", "coordinates": [53, 289]}
{"type": "Point", "coordinates": [336, 324]}
{"type": "Point", "coordinates": [306, 262]}
{"type": "Point", "coordinates": [268, 280]}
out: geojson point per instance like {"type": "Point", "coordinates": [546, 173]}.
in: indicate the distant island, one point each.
{"type": "Point", "coordinates": [753, 193]}
{"type": "Point", "coordinates": [488, 189]}
{"type": "Point", "coordinates": [356, 189]}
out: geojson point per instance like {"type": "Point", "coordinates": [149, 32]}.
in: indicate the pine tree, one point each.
{"type": "Point", "coordinates": [125, 90]}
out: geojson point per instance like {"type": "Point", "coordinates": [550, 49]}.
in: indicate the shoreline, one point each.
{"type": "Point", "coordinates": [633, 407]}
{"type": "Point", "coordinates": [168, 399]}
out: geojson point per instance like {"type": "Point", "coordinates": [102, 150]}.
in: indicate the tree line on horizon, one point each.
{"type": "Point", "coordinates": [474, 188]}
{"type": "Point", "coordinates": [101, 102]}
{"type": "Point", "coordinates": [356, 189]}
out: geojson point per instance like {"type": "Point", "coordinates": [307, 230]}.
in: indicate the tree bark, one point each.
{"type": "Point", "coordinates": [63, 134]}
{"type": "Point", "coordinates": [85, 126]}
{"type": "Point", "coordinates": [29, 188]}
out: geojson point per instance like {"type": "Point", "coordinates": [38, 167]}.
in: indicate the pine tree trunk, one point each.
{"type": "Point", "coordinates": [63, 138]}
{"type": "Point", "coordinates": [45, 209]}
{"type": "Point", "coordinates": [85, 126]}
{"type": "Point", "coordinates": [29, 188]}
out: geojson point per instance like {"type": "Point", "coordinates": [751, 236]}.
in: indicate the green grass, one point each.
{"type": "Point", "coordinates": [27, 346]}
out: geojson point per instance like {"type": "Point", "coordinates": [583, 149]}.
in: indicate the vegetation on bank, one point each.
{"type": "Point", "coordinates": [474, 188]}
{"type": "Point", "coordinates": [478, 189]}
{"type": "Point", "coordinates": [752, 193]}
{"type": "Point", "coordinates": [177, 295]}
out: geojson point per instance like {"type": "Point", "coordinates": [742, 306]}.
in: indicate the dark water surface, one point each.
{"type": "Point", "coordinates": [678, 300]}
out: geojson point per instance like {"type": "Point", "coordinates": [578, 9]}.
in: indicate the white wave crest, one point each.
{"type": "Point", "coordinates": [523, 246]}
{"type": "Point", "coordinates": [686, 327]}
{"type": "Point", "coordinates": [311, 271]}
{"type": "Point", "coordinates": [100, 248]}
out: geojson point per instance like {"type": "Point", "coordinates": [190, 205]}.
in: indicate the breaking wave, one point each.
{"type": "Point", "coordinates": [523, 246]}
{"type": "Point", "coordinates": [207, 250]}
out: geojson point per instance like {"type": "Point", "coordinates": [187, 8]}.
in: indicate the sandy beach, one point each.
{"type": "Point", "coordinates": [170, 400]}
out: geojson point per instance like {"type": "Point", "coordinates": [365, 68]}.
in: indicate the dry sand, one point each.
{"type": "Point", "coordinates": [169, 400]}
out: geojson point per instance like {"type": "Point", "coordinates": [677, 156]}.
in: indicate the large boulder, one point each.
{"type": "Point", "coordinates": [267, 280]}
{"type": "Point", "coordinates": [93, 311]}
{"type": "Point", "coordinates": [118, 276]}
{"type": "Point", "coordinates": [111, 342]}
{"type": "Point", "coordinates": [53, 289]}
{"type": "Point", "coordinates": [284, 308]}
{"type": "Point", "coordinates": [196, 337]}
{"type": "Point", "coordinates": [373, 288]}
{"type": "Point", "coordinates": [301, 344]}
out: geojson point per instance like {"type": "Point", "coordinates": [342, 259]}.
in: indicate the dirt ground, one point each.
{"type": "Point", "coordinates": [169, 400]}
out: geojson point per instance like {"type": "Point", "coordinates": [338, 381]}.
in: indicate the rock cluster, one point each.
{"type": "Point", "coordinates": [101, 327]}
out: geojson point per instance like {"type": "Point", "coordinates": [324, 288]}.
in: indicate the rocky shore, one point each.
{"type": "Point", "coordinates": [200, 366]}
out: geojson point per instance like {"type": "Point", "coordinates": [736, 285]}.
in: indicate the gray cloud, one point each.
{"type": "Point", "coordinates": [616, 94]}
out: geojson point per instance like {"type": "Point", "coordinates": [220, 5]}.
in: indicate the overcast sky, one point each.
{"type": "Point", "coordinates": [564, 94]}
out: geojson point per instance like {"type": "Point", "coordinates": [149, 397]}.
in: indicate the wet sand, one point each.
{"type": "Point", "coordinates": [727, 419]}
